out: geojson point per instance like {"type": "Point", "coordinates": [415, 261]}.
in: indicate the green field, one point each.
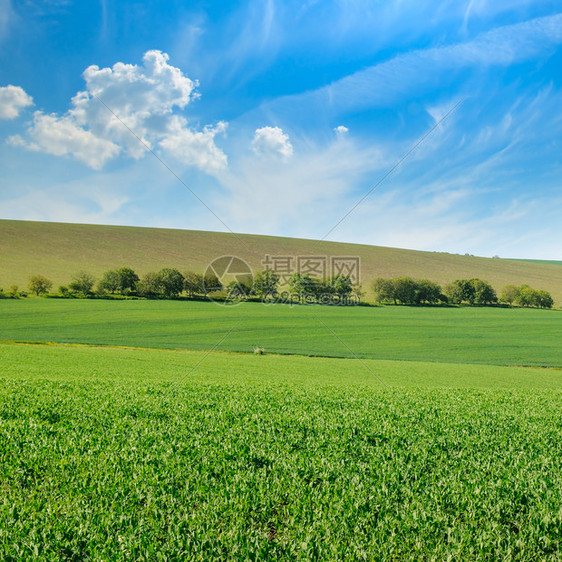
{"type": "Point", "coordinates": [122, 454]}
{"type": "Point", "coordinates": [149, 430]}
{"type": "Point", "coordinates": [498, 336]}
{"type": "Point", "coordinates": [59, 251]}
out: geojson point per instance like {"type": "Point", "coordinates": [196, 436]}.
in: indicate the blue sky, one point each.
{"type": "Point", "coordinates": [280, 116]}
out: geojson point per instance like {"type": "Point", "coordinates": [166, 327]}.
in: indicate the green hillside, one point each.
{"type": "Point", "coordinates": [59, 250]}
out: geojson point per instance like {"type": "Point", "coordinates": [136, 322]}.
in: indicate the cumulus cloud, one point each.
{"type": "Point", "coordinates": [196, 148]}
{"type": "Point", "coordinates": [12, 100]}
{"type": "Point", "coordinates": [341, 131]}
{"type": "Point", "coordinates": [61, 136]}
{"type": "Point", "coordinates": [272, 141]}
{"type": "Point", "coordinates": [125, 98]}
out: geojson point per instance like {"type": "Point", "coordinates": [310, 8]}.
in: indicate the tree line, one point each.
{"type": "Point", "coordinates": [171, 283]}
{"type": "Point", "coordinates": [405, 290]}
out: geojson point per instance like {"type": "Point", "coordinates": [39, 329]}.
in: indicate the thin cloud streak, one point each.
{"type": "Point", "coordinates": [383, 84]}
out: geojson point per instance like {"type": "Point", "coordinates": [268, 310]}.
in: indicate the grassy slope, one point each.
{"type": "Point", "coordinates": [59, 250]}
{"type": "Point", "coordinates": [463, 335]}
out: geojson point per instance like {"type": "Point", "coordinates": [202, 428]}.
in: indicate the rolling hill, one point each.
{"type": "Point", "coordinates": [58, 250]}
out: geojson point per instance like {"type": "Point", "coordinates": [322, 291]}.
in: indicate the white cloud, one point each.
{"type": "Point", "coordinates": [12, 100]}
{"type": "Point", "coordinates": [61, 136]}
{"type": "Point", "coordinates": [196, 148]}
{"type": "Point", "coordinates": [272, 141]}
{"type": "Point", "coordinates": [126, 99]}
{"type": "Point", "coordinates": [341, 131]}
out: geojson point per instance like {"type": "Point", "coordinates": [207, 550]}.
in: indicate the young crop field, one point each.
{"type": "Point", "coordinates": [128, 454]}
{"type": "Point", "coordinates": [497, 336]}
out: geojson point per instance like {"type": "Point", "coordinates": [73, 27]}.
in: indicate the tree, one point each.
{"type": "Point", "coordinates": [265, 283]}
{"type": "Point", "coordinates": [171, 282]}
{"type": "Point", "coordinates": [427, 291]}
{"type": "Point", "coordinates": [526, 296]}
{"type": "Point", "coordinates": [110, 282]}
{"type": "Point", "coordinates": [509, 294]}
{"type": "Point", "coordinates": [211, 283]}
{"type": "Point", "coordinates": [302, 285]}
{"type": "Point", "coordinates": [82, 283]}
{"type": "Point", "coordinates": [150, 285]}
{"type": "Point", "coordinates": [39, 284]}
{"type": "Point", "coordinates": [238, 289]}
{"type": "Point", "coordinates": [384, 290]}
{"type": "Point", "coordinates": [128, 280]}
{"type": "Point", "coordinates": [483, 292]}
{"type": "Point", "coordinates": [405, 290]}
{"type": "Point", "coordinates": [342, 286]}
{"type": "Point", "coordinates": [193, 283]}
{"type": "Point", "coordinates": [544, 299]}
{"type": "Point", "coordinates": [453, 292]}
{"type": "Point", "coordinates": [321, 290]}
{"type": "Point", "coordinates": [460, 290]}
{"type": "Point", "coordinates": [358, 292]}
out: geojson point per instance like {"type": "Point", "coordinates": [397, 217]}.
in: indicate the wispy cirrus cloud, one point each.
{"type": "Point", "coordinates": [383, 84]}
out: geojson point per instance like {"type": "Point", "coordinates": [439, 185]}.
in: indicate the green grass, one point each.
{"type": "Point", "coordinates": [123, 454]}
{"type": "Point", "coordinates": [464, 335]}
{"type": "Point", "coordinates": [59, 250]}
